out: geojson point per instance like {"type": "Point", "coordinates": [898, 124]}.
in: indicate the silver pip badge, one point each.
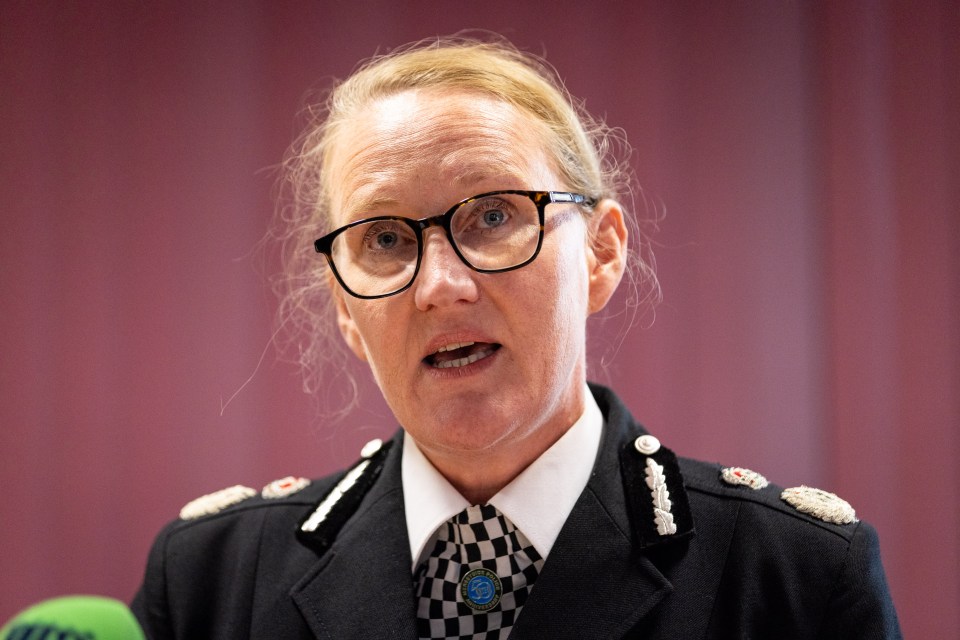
{"type": "Point", "coordinates": [743, 477]}
{"type": "Point", "coordinates": [284, 487]}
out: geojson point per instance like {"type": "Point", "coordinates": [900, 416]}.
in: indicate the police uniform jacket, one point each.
{"type": "Point", "coordinates": [742, 563]}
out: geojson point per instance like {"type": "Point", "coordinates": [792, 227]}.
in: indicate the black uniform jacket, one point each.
{"type": "Point", "coordinates": [742, 563]}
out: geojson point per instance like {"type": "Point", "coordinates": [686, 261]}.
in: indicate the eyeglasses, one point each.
{"type": "Point", "coordinates": [491, 233]}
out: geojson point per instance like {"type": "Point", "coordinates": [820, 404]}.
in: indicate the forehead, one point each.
{"type": "Point", "coordinates": [418, 146]}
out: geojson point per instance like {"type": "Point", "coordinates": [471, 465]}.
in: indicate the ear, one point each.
{"type": "Point", "coordinates": [348, 328]}
{"type": "Point", "coordinates": [606, 252]}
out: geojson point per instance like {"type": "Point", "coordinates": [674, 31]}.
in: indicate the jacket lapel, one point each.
{"type": "Point", "coordinates": [362, 586]}
{"type": "Point", "coordinates": [597, 581]}
{"type": "Point", "coordinates": [592, 585]}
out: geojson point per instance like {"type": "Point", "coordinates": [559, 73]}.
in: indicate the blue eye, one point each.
{"type": "Point", "coordinates": [494, 217]}
{"type": "Point", "coordinates": [380, 240]}
{"type": "Point", "coordinates": [386, 237]}
{"type": "Point", "coordinates": [386, 240]}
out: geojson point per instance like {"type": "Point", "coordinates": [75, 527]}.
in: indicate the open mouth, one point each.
{"type": "Point", "coordinates": [460, 354]}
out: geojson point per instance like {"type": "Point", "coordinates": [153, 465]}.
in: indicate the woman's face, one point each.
{"type": "Point", "coordinates": [518, 382]}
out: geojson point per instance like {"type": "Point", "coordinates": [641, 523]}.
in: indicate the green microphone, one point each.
{"type": "Point", "coordinates": [74, 618]}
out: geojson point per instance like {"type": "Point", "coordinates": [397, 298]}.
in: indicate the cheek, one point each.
{"type": "Point", "coordinates": [573, 275]}
{"type": "Point", "coordinates": [377, 329]}
{"type": "Point", "coordinates": [562, 294]}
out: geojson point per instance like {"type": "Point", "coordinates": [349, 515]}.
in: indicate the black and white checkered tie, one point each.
{"type": "Point", "coordinates": [477, 578]}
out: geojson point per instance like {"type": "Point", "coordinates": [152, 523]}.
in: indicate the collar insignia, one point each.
{"type": "Point", "coordinates": [653, 487]}
{"type": "Point", "coordinates": [319, 527]}
{"type": "Point", "coordinates": [661, 499]}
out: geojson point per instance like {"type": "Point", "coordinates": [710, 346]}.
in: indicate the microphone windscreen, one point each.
{"type": "Point", "coordinates": [74, 618]}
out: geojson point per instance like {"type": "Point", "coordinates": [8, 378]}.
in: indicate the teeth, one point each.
{"type": "Point", "coordinates": [454, 345]}
{"type": "Point", "coordinates": [462, 362]}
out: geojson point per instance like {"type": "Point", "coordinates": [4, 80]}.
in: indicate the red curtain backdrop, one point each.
{"type": "Point", "coordinates": [805, 155]}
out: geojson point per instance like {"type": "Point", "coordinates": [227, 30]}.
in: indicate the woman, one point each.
{"type": "Point", "coordinates": [469, 226]}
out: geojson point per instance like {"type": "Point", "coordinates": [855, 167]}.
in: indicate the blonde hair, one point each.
{"type": "Point", "coordinates": [590, 158]}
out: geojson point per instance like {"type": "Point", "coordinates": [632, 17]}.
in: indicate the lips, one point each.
{"type": "Point", "coordinates": [460, 354]}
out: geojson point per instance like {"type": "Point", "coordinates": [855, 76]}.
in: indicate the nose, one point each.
{"type": "Point", "coordinates": [443, 279]}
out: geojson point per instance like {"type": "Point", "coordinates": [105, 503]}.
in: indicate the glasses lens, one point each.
{"type": "Point", "coordinates": [377, 257]}
{"type": "Point", "coordinates": [498, 231]}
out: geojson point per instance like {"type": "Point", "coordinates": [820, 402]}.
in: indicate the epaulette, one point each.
{"type": "Point", "coordinates": [816, 503]}
{"type": "Point", "coordinates": [653, 487]}
{"type": "Point", "coordinates": [319, 528]}
{"type": "Point", "coordinates": [213, 503]}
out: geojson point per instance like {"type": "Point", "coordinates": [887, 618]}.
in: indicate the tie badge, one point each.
{"type": "Point", "coordinates": [481, 589]}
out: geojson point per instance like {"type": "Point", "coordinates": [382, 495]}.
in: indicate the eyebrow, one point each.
{"type": "Point", "coordinates": [501, 171]}
{"type": "Point", "coordinates": [367, 206]}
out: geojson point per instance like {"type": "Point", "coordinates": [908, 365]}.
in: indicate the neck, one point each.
{"type": "Point", "coordinates": [480, 478]}
{"type": "Point", "coordinates": [480, 474]}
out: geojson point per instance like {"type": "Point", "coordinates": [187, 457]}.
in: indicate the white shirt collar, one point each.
{"type": "Point", "coordinates": [537, 501]}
